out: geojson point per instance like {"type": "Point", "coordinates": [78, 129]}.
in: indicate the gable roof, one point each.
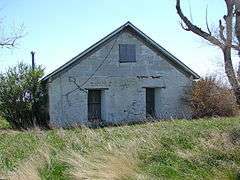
{"type": "Point", "coordinates": [139, 33]}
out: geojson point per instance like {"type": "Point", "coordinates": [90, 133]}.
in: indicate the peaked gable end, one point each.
{"type": "Point", "coordinates": [136, 32]}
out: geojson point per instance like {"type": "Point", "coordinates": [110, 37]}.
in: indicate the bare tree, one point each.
{"type": "Point", "coordinates": [9, 39]}
{"type": "Point", "coordinates": [227, 39]}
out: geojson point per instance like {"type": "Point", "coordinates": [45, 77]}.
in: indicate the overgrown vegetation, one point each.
{"type": "Point", "coordinates": [22, 96]}
{"type": "Point", "coordinates": [4, 124]}
{"type": "Point", "coordinates": [210, 97]}
{"type": "Point", "coordinates": [198, 149]}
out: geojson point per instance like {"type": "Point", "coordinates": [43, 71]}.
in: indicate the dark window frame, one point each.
{"type": "Point", "coordinates": [127, 53]}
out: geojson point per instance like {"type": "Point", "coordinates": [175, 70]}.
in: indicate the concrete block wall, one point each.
{"type": "Point", "coordinates": [123, 84]}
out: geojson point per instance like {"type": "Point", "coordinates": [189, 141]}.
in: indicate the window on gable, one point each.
{"type": "Point", "coordinates": [127, 53]}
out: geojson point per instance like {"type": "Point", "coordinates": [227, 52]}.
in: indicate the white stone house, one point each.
{"type": "Point", "coordinates": [124, 77]}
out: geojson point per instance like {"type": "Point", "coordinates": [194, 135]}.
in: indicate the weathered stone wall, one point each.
{"type": "Point", "coordinates": [123, 97]}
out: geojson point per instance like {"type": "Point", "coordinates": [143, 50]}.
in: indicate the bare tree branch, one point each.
{"type": "Point", "coordinates": [226, 39]}
{"type": "Point", "coordinates": [229, 18]}
{"type": "Point", "coordinates": [193, 28]}
{"type": "Point", "coordinates": [221, 31]}
{"type": "Point", "coordinates": [236, 47]}
{"type": "Point", "coordinates": [10, 40]}
{"type": "Point", "coordinates": [190, 11]}
{"type": "Point", "coordinates": [184, 27]}
{"type": "Point", "coordinates": [209, 31]}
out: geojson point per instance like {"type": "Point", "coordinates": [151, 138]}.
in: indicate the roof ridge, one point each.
{"type": "Point", "coordinates": [112, 34]}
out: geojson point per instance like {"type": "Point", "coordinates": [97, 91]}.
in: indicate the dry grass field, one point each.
{"type": "Point", "coordinates": [180, 149]}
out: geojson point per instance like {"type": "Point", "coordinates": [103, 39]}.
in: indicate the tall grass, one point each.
{"type": "Point", "coordinates": [4, 124]}
{"type": "Point", "coordinates": [204, 149]}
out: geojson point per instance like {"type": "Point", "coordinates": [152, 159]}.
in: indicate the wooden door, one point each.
{"type": "Point", "coordinates": [150, 102]}
{"type": "Point", "coordinates": [94, 105]}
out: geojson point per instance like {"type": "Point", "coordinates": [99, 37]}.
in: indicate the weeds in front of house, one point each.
{"type": "Point", "coordinates": [170, 149]}
{"type": "Point", "coordinates": [211, 97]}
{"type": "Point", "coordinates": [4, 124]}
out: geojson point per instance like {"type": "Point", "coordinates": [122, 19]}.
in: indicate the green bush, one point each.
{"type": "Point", "coordinates": [4, 124]}
{"type": "Point", "coordinates": [23, 96]}
{"type": "Point", "coordinates": [210, 97]}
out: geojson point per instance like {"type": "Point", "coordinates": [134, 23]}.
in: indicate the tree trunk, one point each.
{"type": "Point", "coordinates": [237, 23]}
{"type": "Point", "coordinates": [237, 30]}
{"type": "Point", "coordinates": [229, 70]}
{"type": "Point", "coordinates": [237, 95]}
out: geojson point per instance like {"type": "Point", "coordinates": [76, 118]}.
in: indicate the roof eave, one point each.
{"type": "Point", "coordinates": [86, 51]}
{"type": "Point", "coordinates": [164, 51]}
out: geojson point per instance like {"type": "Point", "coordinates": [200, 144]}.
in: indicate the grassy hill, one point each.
{"type": "Point", "coordinates": [198, 149]}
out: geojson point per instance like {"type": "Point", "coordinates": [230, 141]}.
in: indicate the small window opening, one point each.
{"type": "Point", "coordinates": [127, 53]}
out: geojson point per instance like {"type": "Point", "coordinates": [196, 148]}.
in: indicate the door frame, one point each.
{"type": "Point", "coordinates": [89, 103]}
{"type": "Point", "coordinates": [150, 112]}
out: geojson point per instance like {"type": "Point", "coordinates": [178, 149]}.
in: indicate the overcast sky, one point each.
{"type": "Point", "coordinates": [59, 30]}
